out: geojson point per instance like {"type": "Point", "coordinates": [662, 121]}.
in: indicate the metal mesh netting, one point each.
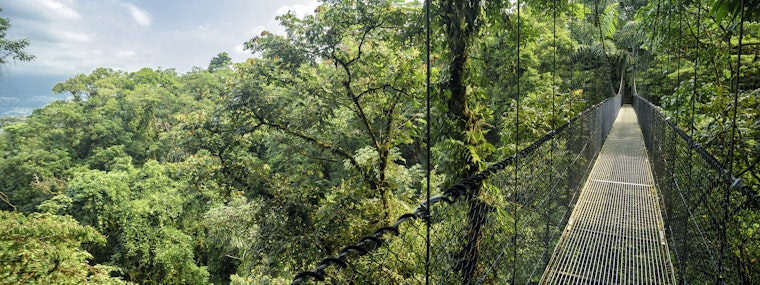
{"type": "Point", "coordinates": [497, 227]}
{"type": "Point", "coordinates": [709, 215]}
{"type": "Point", "coordinates": [615, 234]}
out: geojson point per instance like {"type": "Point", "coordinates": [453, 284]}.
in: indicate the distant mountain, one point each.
{"type": "Point", "coordinates": [21, 93]}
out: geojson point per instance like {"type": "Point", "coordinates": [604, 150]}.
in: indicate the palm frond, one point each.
{"type": "Point", "coordinates": [609, 19]}
{"type": "Point", "coordinates": [588, 53]}
{"type": "Point", "coordinates": [630, 35]}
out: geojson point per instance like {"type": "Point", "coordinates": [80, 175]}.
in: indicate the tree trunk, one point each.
{"type": "Point", "coordinates": [636, 60]}
{"type": "Point", "coordinates": [459, 21]}
{"type": "Point", "coordinates": [622, 75]}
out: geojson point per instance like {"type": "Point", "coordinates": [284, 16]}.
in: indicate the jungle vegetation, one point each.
{"type": "Point", "coordinates": [249, 172]}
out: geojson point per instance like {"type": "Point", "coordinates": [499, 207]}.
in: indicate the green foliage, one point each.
{"type": "Point", "coordinates": [118, 158]}
{"type": "Point", "coordinates": [45, 249]}
{"type": "Point", "coordinates": [221, 60]}
{"type": "Point", "coordinates": [13, 49]}
{"type": "Point", "coordinates": [609, 20]}
{"type": "Point", "coordinates": [141, 209]}
{"type": "Point", "coordinates": [697, 88]}
{"type": "Point", "coordinates": [733, 9]}
{"type": "Point", "coordinates": [360, 100]}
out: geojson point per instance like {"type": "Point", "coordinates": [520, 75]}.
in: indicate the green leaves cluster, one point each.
{"type": "Point", "coordinates": [12, 49]}
{"type": "Point", "coordinates": [115, 158]}
{"type": "Point", "coordinates": [42, 248]}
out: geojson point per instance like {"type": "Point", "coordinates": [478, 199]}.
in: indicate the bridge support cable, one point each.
{"type": "Point", "coordinates": [693, 184]}
{"type": "Point", "coordinates": [515, 214]}
{"type": "Point", "coordinates": [547, 210]}
{"type": "Point", "coordinates": [396, 254]}
{"type": "Point", "coordinates": [683, 221]}
{"type": "Point", "coordinates": [428, 145]}
{"type": "Point", "coordinates": [615, 234]}
{"type": "Point", "coordinates": [730, 159]}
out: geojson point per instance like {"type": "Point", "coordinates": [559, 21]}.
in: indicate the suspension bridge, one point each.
{"type": "Point", "coordinates": [625, 198]}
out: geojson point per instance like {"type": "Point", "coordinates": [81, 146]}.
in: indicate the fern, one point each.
{"type": "Point", "coordinates": [609, 19]}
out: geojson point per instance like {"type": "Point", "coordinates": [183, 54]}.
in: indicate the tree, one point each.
{"type": "Point", "coordinates": [115, 159]}
{"type": "Point", "coordinates": [12, 49]}
{"type": "Point", "coordinates": [461, 22]}
{"type": "Point", "coordinates": [104, 81]}
{"type": "Point", "coordinates": [322, 129]}
{"type": "Point", "coordinates": [220, 61]}
{"type": "Point", "coordinates": [141, 211]}
{"type": "Point", "coordinates": [344, 81]}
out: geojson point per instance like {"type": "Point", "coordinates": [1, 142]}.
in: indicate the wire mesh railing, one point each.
{"type": "Point", "coordinates": [711, 219]}
{"type": "Point", "coordinates": [499, 226]}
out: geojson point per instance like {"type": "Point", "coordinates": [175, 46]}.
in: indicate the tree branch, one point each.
{"type": "Point", "coordinates": [326, 146]}
{"type": "Point", "coordinates": [355, 99]}
{"type": "Point", "coordinates": [361, 42]}
{"type": "Point", "coordinates": [5, 199]}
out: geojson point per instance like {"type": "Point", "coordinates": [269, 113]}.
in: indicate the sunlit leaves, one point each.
{"type": "Point", "coordinates": [609, 19]}
{"type": "Point", "coordinates": [45, 249]}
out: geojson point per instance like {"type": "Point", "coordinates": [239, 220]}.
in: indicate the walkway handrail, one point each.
{"type": "Point", "coordinates": [579, 139]}
{"type": "Point", "coordinates": [706, 208]}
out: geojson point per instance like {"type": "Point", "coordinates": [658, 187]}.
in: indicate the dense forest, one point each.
{"type": "Point", "coordinates": [249, 172]}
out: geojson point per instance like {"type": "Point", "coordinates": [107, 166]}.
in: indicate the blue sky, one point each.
{"type": "Point", "coordinates": [77, 36]}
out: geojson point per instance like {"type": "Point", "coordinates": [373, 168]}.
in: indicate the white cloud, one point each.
{"type": "Point", "coordinates": [141, 16]}
{"type": "Point", "coordinates": [75, 37]}
{"type": "Point", "coordinates": [126, 54]}
{"type": "Point", "coordinates": [240, 49]}
{"type": "Point", "coordinates": [299, 9]}
{"type": "Point", "coordinates": [60, 10]}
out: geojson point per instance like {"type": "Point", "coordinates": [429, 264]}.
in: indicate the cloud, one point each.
{"type": "Point", "coordinates": [75, 37]}
{"type": "Point", "coordinates": [299, 9]}
{"type": "Point", "coordinates": [240, 49]}
{"type": "Point", "coordinates": [60, 10]}
{"type": "Point", "coordinates": [126, 54]}
{"type": "Point", "coordinates": [8, 99]}
{"type": "Point", "coordinates": [141, 16]}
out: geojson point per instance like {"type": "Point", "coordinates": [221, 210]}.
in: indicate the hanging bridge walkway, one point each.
{"type": "Point", "coordinates": [616, 233]}
{"type": "Point", "coordinates": [613, 196]}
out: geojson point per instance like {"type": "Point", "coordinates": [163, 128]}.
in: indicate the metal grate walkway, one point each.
{"type": "Point", "coordinates": [615, 234]}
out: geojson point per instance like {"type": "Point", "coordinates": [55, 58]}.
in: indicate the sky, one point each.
{"type": "Point", "coordinates": [76, 36]}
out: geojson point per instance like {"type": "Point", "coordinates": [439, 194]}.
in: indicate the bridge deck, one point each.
{"type": "Point", "coordinates": [615, 234]}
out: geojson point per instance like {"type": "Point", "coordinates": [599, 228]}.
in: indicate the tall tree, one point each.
{"type": "Point", "coordinates": [343, 80]}
{"type": "Point", "coordinates": [461, 21]}
{"type": "Point", "coordinates": [329, 115]}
